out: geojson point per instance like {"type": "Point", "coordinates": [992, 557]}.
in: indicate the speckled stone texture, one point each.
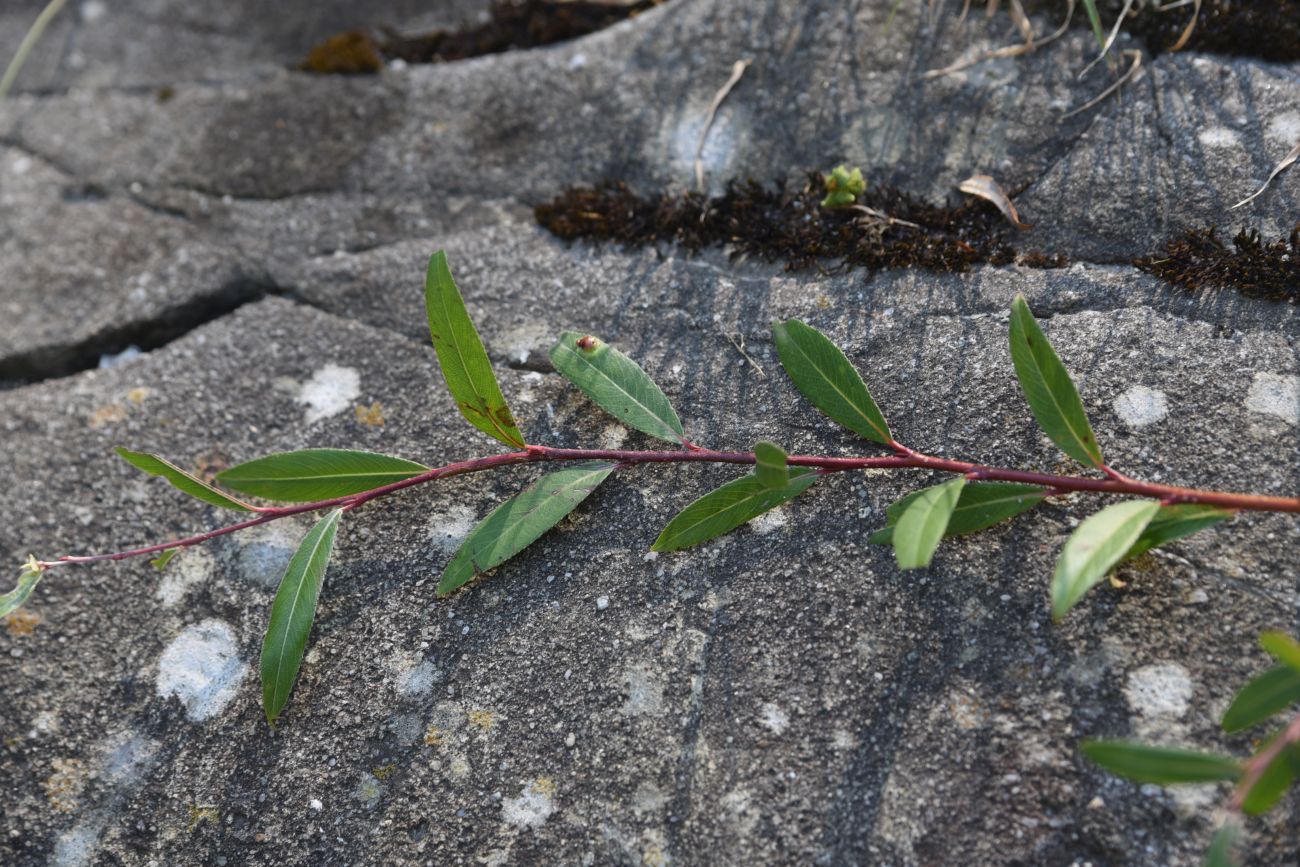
{"type": "Point", "coordinates": [781, 696]}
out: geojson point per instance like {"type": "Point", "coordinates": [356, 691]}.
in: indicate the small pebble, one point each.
{"type": "Point", "coordinates": [602, 602]}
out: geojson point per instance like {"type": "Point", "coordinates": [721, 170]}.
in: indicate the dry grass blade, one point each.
{"type": "Point", "coordinates": [737, 71]}
{"type": "Point", "coordinates": [1123, 79]}
{"type": "Point", "coordinates": [1191, 26]}
{"type": "Point", "coordinates": [1021, 20]}
{"type": "Point", "coordinates": [1110, 40]}
{"type": "Point", "coordinates": [1287, 162]}
{"type": "Point", "coordinates": [990, 190]}
{"type": "Point", "coordinates": [1008, 51]}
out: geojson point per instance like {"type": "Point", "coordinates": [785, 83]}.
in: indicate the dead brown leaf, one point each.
{"type": "Point", "coordinates": [990, 190]}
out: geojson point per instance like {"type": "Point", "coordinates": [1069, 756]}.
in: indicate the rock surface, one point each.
{"type": "Point", "coordinates": [783, 695]}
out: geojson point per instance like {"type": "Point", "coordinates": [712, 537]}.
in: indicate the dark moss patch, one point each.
{"type": "Point", "coordinates": [1266, 29]}
{"type": "Point", "coordinates": [351, 53]}
{"type": "Point", "coordinates": [791, 226]}
{"type": "Point", "coordinates": [1199, 259]}
{"type": "Point", "coordinates": [511, 25]}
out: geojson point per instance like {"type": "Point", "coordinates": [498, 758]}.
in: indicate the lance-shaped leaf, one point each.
{"type": "Point", "coordinates": [726, 508]}
{"type": "Point", "coordinates": [1175, 522]}
{"type": "Point", "coordinates": [181, 480]}
{"type": "Point", "coordinates": [921, 526]}
{"type": "Point", "coordinates": [1222, 851]}
{"type": "Point", "coordinates": [519, 521]}
{"type": "Point", "coordinates": [980, 506]}
{"type": "Point", "coordinates": [292, 613]}
{"type": "Point", "coordinates": [1271, 692]}
{"type": "Point", "coordinates": [463, 359]}
{"type": "Point", "coordinates": [1160, 765]}
{"type": "Point", "coordinates": [1098, 544]}
{"type": "Point", "coordinates": [617, 384]}
{"type": "Point", "coordinates": [1049, 390]}
{"type": "Point", "coordinates": [770, 465]}
{"type": "Point", "coordinates": [317, 474]}
{"type": "Point", "coordinates": [1282, 647]}
{"type": "Point", "coordinates": [1273, 783]}
{"type": "Point", "coordinates": [27, 581]}
{"type": "Point", "coordinates": [825, 376]}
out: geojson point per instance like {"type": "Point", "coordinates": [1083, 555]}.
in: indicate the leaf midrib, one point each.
{"type": "Point", "coordinates": [672, 429]}
{"type": "Point", "coordinates": [836, 389]}
{"type": "Point", "coordinates": [332, 520]}
{"type": "Point", "coordinates": [444, 297]}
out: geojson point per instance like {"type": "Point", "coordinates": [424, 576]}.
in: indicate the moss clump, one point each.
{"type": "Point", "coordinates": [791, 226]}
{"type": "Point", "coordinates": [1267, 29]}
{"type": "Point", "coordinates": [351, 53]}
{"type": "Point", "coordinates": [1198, 259]}
{"type": "Point", "coordinates": [511, 25]}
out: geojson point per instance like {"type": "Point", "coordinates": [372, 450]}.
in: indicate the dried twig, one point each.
{"type": "Point", "coordinates": [1110, 40]}
{"type": "Point", "coordinates": [736, 72]}
{"type": "Point", "coordinates": [737, 339]}
{"type": "Point", "coordinates": [1123, 79]}
{"type": "Point", "coordinates": [1008, 51]}
{"type": "Point", "coordinates": [1287, 162]}
{"type": "Point", "coordinates": [1191, 25]}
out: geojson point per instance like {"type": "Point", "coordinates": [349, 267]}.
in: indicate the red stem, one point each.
{"type": "Point", "coordinates": [902, 458]}
{"type": "Point", "coordinates": [1257, 765]}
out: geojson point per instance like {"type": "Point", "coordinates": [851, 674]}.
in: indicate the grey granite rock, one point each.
{"type": "Point", "coordinates": [782, 696]}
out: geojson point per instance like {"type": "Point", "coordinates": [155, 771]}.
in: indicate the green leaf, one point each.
{"type": "Point", "coordinates": [1175, 522]}
{"type": "Point", "coordinates": [1221, 852]}
{"type": "Point", "coordinates": [1098, 544]}
{"type": "Point", "coordinates": [617, 384]}
{"type": "Point", "coordinates": [1282, 647]}
{"type": "Point", "coordinates": [292, 613]}
{"type": "Point", "coordinates": [1161, 765]}
{"type": "Point", "coordinates": [160, 562]}
{"type": "Point", "coordinates": [980, 506]}
{"type": "Point", "coordinates": [27, 581]}
{"type": "Point", "coordinates": [317, 474]}
{"type": "Point", "coordinates": [1271, 692]}
{"type": "Point", "coordinates": [181, 480]}
{"type": "Point", "coordinates": [519, 521]}
{"type": "Point", "coordinates": [1273, 783]}
{"type": "Point", "coordinates": [1049, 390]}
{"type": "Point", "coordinates": [770, 465]}
{"type": "Point", "coordinates": [463, 359]}
{"type": "Point", "coordinates": [824, 375]}
{"type": "Point", "coordinates": [726, 508]}
{"type": "Point", "coordinates": [921, 526]}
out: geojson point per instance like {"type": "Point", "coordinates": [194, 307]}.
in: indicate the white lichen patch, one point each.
{"type": "Point", "coordinates": [330, 391]}
{"type": "Point", "coordinates": [644, 689]}
{"type": "Point", "coordinates": [769, 522]}
{"type": "Point", "coordinates": [612, 436]}
{"type": "Point", "coordinates": [77, 845]}
{"type": "Point", "coordinates": [773, 718]}
{"type": "Point", "coordinates": [126, 758]}
{"type": "Point", "coordinates": [264, 552]}
{"type": "Point", "coordinates": [533, 807]}
{"type": "Point", "coordinates": [1284, 129]}
{"type": "Point", "coordinates": [447, 529]}
{"type": "Point", "coordinates": [416, 680]}
{"type": "Point", "coordinates": [202, 668]}
{"type": "Point", "coordinates": [369, 790]}
{"type": "Point", "coordinates": [1160, 691]}
{"type": "Point", "coordinates": [1218, 137]}
{"type": "Point", "coordinates": [532, 340]}
{"type": "Point", "coordinates": [1141, 406]}
{"type": "Point", "coordinates": [187, 570]}
{"type": "Point", "coordinates": [1277, 395]}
